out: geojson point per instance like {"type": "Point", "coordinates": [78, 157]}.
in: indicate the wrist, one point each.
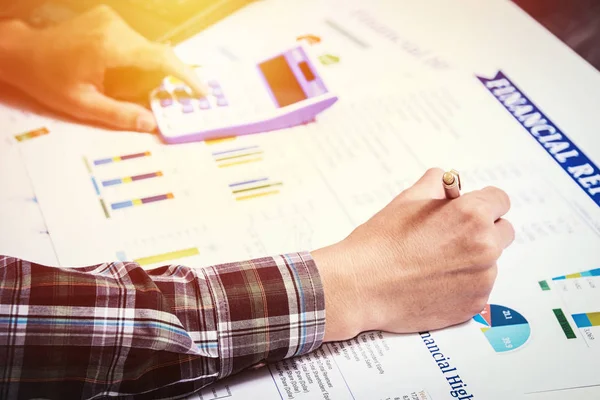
{"type": "Point", "coordinates": [15, 39]}
{"type": "Point", "coordinates": [344, 311]}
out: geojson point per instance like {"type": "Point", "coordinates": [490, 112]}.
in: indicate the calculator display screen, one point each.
{"type": "Point", "coordinates": [282, 81]}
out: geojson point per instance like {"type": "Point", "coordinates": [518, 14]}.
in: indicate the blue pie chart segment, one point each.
{"type": "Point", "coordinates": [504, 328]}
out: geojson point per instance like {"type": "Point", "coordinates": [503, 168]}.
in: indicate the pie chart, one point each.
{"type": "Point", "coordinates": [504, 328]}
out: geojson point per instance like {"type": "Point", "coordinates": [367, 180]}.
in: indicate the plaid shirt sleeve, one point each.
{"type": "Point", "coordinates": [119, 330]}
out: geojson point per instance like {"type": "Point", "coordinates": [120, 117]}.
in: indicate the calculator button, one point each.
{"type": "Point", "coordinates": [164, 98]}
{"type": "Point", "coordinates": [213, 83]}
{"type": "Point", "coordinates": [187, 108]}
{"type": "Point", "coordinates": [217, 91]}
{"type": "Point", "coordinates": [222, 102]}
{"type": "Point", "coordinates": [204, 104]}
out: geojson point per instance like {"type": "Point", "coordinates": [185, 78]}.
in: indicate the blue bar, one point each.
{"type": "Point", "coordinates": [586, 273]}
{"type": "Point", "coordinates": [103, 161]}
{"type": "Point", "coordinates": [123, 204]}
{"type": "Point", "coordinates": [581, 320]}
{"type": "Point", "coordinates": [559, 278]}
{"type": "Point", "coordinates": [96, 186]}
{"type": "Point", "coordinates": [595, 272]}
{"type": "Point", "coordinates": [234, 150]}
{"type": "Point", "coordinates": [112, 182]}
{"type": "Point", "coordinates": [246, 182]}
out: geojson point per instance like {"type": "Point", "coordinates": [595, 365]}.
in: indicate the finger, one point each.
{"type": "Point", "coordinates": [505, 232]}
{"type": "Point", "coordinates": [429, 186]}
{"type": "Point", "coordinates": [496, 201]}
{"type": "Point", "coordinates": [167, 61]}
{"type": "Point", "coordinates": [131, 84]}
{"type": "Point", "coordinates": [93, 106]}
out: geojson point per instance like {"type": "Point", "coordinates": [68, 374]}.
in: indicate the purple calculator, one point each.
{"type": "Point", "coordinates": [279, 92]}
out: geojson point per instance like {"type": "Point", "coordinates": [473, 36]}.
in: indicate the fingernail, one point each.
{"type": "Point", "coordinates": [146, 123]}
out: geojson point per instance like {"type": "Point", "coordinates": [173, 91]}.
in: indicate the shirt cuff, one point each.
{"type": "Point", "coordinates": [266, 309]}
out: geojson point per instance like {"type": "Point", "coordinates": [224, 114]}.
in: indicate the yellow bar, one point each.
{"type": "Point", "coordinates": [115, 159]}
{"type": "Point", "coordinates": [594, 318]}
{"type": "Point", "coordinates": [252, 196]}
{"type": "Point", "coordinates": [231, 164]}
{"type": "Point", "coordinates": [127, 179]}
{"type": "Point", "coordinates": [137, 202]}
{"type": "Point", "coordinates": [173, 255]}
{"type": "Point", "coordinates": [220, 140]}
{"type": "Point", "coordinates": [571, 276]}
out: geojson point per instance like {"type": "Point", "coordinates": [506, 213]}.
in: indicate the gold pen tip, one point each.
{"type": "Point", "coordinates": [448, 178]}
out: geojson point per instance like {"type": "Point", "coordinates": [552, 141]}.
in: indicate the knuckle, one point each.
{"type": "Point", "coordinates": [474, 212]}
{"type": "Point", "coordinates": [498, 195]}
{"type": "Point", "coordinates": [72, 97]}
{"type": "Point", "coordinates": [511, 230]}
{"type": "Point", "coordinates": [485, 249]}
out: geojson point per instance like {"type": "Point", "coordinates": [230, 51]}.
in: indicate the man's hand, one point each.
{"type": "Point", "coordinates": [421, 263]}
{"type": "Point", "coordinates": [94, 68]}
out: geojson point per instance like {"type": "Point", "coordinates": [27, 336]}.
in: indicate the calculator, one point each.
{"type": "Point", "coordinates": [282, 91]}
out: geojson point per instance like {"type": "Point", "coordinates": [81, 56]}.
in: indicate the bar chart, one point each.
{"type": "Point", "coordinates": [194, 246]}
{"type": "Point", "coordinates": [237, 156]}
{"type": "Point", "coordinates": [580, 294]}
{"type": "Point", "coordinates": [129, 180]}
{"type": "Point", "coordinates": [254, 188]}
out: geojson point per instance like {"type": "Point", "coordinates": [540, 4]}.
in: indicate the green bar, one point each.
{"type": "Point", "coordinates": [564, 323]}
{"type": "Point", "coordinates": [256, 188]}
{"type": "Point", "coordinates": [106, 214]}
{"type": "Point", "coordinates": [238, 156]}
{"type": "Point", "coordinates": [87, 164]}
{"type": "Point", "coordinates": [544, 285]}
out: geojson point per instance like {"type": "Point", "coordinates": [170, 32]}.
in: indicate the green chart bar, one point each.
{"type": "Point", "coordinates": [564, 323]}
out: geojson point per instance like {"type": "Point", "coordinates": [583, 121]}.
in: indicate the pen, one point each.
{"type": "Point", "coordinates": [452, 184]}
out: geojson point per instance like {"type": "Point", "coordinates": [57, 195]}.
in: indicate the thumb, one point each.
{"type": "Point", "coordinates": [94, 106]}
{"type": "Point", "coordinates": [429, 186]}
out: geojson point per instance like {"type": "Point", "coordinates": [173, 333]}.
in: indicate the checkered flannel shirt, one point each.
{"type": "Point", "coordinates": [119, 330]}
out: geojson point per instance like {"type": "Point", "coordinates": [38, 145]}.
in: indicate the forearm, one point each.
{"type": "Point", "coordinates": [115, 328]}
{"type": "Point", "coordinates": [15, 37]}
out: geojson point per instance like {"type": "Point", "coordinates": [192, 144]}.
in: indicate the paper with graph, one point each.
{"type": "Point", "coordinates": [299, 189]}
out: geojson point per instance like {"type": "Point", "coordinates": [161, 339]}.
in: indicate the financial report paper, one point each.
{"type": "Point", "coordinates": [307, 187]}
